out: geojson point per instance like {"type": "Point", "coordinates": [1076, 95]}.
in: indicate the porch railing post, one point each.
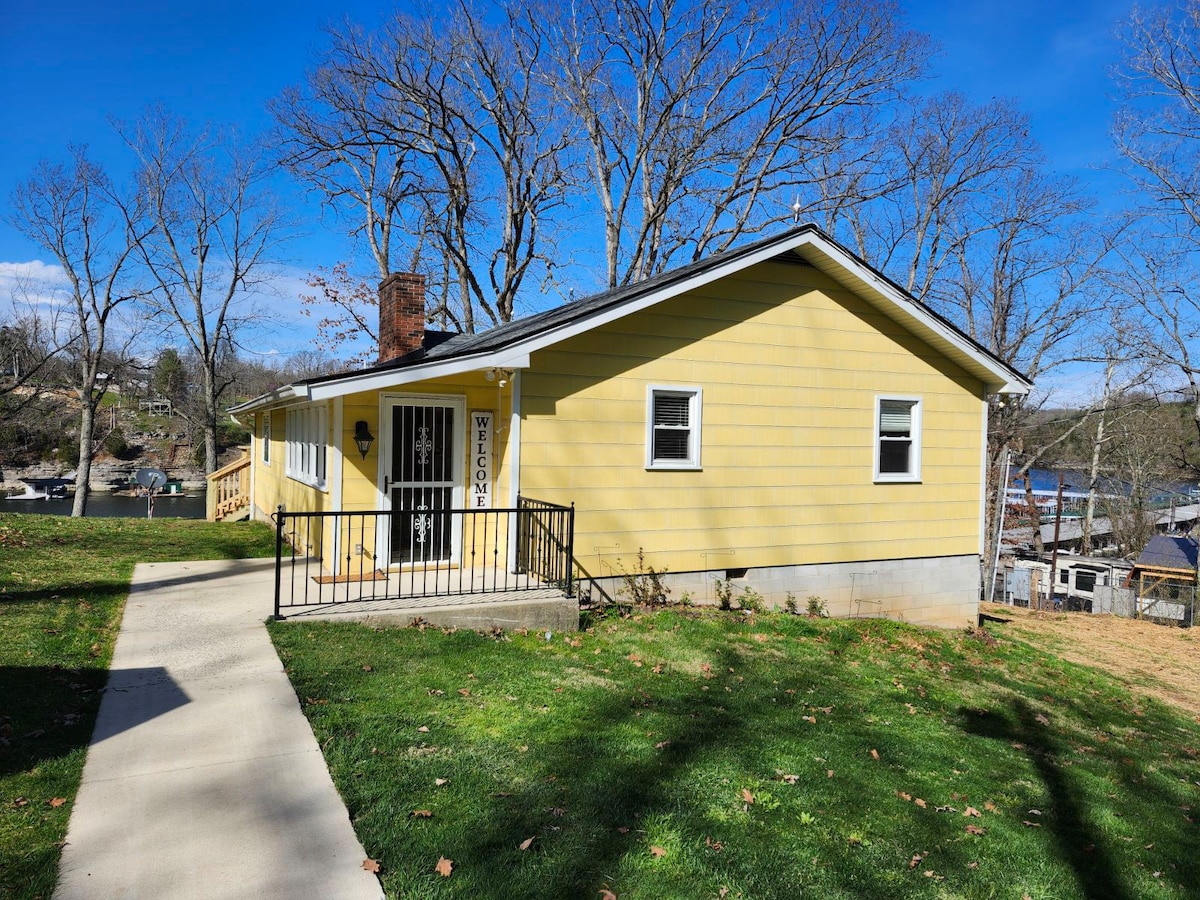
{"type": "Point", "coordinates": [278, 555]}
{"type": "Point", "coordinates": [570, 560]}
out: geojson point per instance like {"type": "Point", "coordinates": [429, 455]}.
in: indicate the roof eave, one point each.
{"type": "Point", "coordinates": [288, 393]}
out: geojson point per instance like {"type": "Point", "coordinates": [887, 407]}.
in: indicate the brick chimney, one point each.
{"type": "Point", "coordinates": [401, 315]}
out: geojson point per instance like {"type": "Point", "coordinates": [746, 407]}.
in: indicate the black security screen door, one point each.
{"type": "Point", "coordinates": [422, 482]}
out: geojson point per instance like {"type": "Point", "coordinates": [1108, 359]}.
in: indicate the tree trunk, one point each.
{"type": "Point", "coordinates": [83, 472]}
{"type": "Point", "coordinates": [1093, 476]}
{"type": "Point", "coordinates": [210, 421]}
{"type": "Point", "coordinates": [1039, 545]}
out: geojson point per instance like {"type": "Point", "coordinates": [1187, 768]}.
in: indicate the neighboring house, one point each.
{"type": "Point", "coordinates": [1080, 583]}
{"type": "Point", "coordinates": [1164, 578]}
{"type": "Point", "coordinates": [780, 415]}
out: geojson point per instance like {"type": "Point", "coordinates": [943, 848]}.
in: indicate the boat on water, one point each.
{"type": "Point", "coordinates": [43, 489]}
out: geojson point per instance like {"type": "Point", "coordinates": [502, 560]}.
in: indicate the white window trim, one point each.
{"type": "Point", "coordinates": [306, 441]}
{"type": "Point", "coordinates": [913, 475]}
{"type": "Point", "coordinates": [265, 440]}
{"type": "Point", "coordinates": [695, 397]}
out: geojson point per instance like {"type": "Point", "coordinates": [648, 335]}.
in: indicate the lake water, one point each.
{"type": "Point", "coordinates": [111, 506]}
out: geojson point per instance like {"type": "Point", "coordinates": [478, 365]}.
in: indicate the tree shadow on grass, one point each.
{"type": "Point", "coordinates": [50, 712]}
{"type": "Point", "coordinates": [1081, 846]}
{"type": "Point", "coordinates": [596, 792]}
{"type": "Point", "coordinates": [47, 713]}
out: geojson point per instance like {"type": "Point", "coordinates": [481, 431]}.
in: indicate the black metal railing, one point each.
{"type": "Point", "coordinates": [323, 558]}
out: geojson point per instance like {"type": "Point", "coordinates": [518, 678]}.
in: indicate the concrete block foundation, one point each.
{"type": "Point", "coordinates": [938, 591]}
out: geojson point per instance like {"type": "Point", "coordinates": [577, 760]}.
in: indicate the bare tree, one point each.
{"type": "Point", "coordinates": [32, 341]}
{"type": "Point", "coordinates": [437, 135]}
{"type": "Point", "coordinates": [72, 211]}
{"type": "Point", "coordinates": [1157, 128]}
{"type": "Point", "coordinates": [704, 120]}
{"type": "Point", "coordinates": [1140, 456]}
{"type": "Point", "coordinates": [1159, 280]}
{"type": "Point", "coordinates": [347, 310]}
{"type": "Point", "coordinates": [930, 192]}
{"type": "Point", "coordinates": [208, 230]}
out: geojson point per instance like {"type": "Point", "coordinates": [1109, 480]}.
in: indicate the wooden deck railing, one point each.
{"type": "Point", "coordinates": [229, 489]}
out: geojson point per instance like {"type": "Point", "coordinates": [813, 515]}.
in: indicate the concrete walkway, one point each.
{"type": "Point", "coordinates": [203, 779]}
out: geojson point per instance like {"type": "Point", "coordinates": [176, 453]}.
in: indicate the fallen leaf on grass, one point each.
{"type": "Point", "coordinates": [58, 801]}
{"type": "Point", "coordinates": [424, 729]}
{"type": "Point", "coordinates": [916, 860]}
{"type": "Point", "coordinates": [1042, 718]}
{"type": "Point", "coordinates": [657, 851]}
{"type": "Point", "coordinates": [829, 773]}
{"type": "Point", "coordinates": [906, 797]}
{"type": "Point", "coordinates": [790, 779]}
{"type": "Point", "coordinates": [438, 782]}
{"type": "Point", "coordinates": [21, 801]}
{"type": "Point", "coordinates": [810, 719]}
{"type": "Point", "coordinates": [972, 811]}
{"type": "Point", "coordinates": [526, 844]}
{"type": "Point", "coordinates": [623, 829]}
{"type": "Point", "coordinates": [662, 745]}
{"type": "Point", "coordinates": [606, 894]}
{"type": "Point", "coordinates": [466, 692]}
{"type": "Point", "coordinates": [421, 814]}
{"type": "Point", "coordinates": [747, 796]}
{"type": "Point", "coordinates": [921, 803]}
{"type": "Point", "coordinates": [990, 806]}
{"type": "Point", "coordinates": [874, 753]}
{"type": "Point", "coordinates": [371, 865]}
{"type": "Point", "coordinates": [974, 829]}
{"type": "Point", "coordinates": [444, 866]}
{"type": "Point", "coordinates": [1029, 824]}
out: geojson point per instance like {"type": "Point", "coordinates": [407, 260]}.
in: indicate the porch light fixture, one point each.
{"type": "Point", "coordinates": [363, 438]}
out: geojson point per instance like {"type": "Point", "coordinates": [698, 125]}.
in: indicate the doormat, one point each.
{"type": "Point", "coordinates": [350, 577]}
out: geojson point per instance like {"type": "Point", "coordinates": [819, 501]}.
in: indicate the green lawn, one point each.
{"type": "Point", "coordinates": [63, 584]}
{"type": "Point", "coordinates": [699, 754]}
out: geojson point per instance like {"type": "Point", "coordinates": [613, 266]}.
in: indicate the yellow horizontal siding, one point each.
{"type": "Point", "coordinates": [790, 366]}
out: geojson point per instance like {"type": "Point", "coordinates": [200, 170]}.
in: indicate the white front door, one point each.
{"type": "Point", "coordinates": [422, 464]}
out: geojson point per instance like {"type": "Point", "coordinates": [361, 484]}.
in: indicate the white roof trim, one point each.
{"type": "Point", "coordinates": [810, 244]}
{"type": "Point", "coordinates": [390, 378]}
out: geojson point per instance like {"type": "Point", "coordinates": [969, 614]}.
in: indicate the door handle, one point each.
{"type": "Point", "coordinates": [386, 482]}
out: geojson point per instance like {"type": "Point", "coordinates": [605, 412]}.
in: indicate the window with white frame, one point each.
{"type": "Point", "coordinates": [307, 436]}
{"type": "Point", "coordinates": [266, 438]}
{"type": "Point", "coordinates": [898, 439]}
{"type": "Point", "coordinates": [673, 427]}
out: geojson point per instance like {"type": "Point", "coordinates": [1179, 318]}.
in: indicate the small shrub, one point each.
{"type": "Point", "coordinates": [751, 600]}
{"type": "Point", "coordinates": [644, 587]}
{"type": "Point", "coordinates": [817, 608]}
{"type": "Point", "coordinates": [790, 604]}
{"type": "Point", "coordinates": [685, 599]}
{"type": "Point", "coordinates": [724, 594]}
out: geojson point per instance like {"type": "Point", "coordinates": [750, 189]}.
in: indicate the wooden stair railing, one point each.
{"type": "Point", "coordinates": [229, 489]}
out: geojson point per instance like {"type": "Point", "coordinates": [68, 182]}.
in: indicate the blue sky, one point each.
{"type": "Point", "coordinates": [66, 68]}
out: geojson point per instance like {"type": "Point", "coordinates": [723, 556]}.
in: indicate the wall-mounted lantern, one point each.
{"type": "Point", "coordinates": [363, 438]}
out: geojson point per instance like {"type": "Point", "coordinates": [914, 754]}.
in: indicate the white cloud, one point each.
{"type": "Point", "coordinates": [27, 285]}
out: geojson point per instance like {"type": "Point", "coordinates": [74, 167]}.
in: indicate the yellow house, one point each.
{"type": "Point", "coordinates": [779, 417]}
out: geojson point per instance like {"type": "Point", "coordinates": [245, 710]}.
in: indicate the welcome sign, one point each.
{"type": "Point", "coordinates": [481, 459]}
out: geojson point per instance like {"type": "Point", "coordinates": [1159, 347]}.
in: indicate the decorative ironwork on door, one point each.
{"type": "Point", "coordinates": [422, 483]}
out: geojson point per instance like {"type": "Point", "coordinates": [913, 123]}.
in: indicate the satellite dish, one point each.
{"type": "Point", "coordinates": [150, 479]}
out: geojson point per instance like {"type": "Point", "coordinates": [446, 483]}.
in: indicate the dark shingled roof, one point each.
{"type": "Point", "coordinates": [446, 346]}
{"type": "Point", "coordinates": [1169, 552]}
